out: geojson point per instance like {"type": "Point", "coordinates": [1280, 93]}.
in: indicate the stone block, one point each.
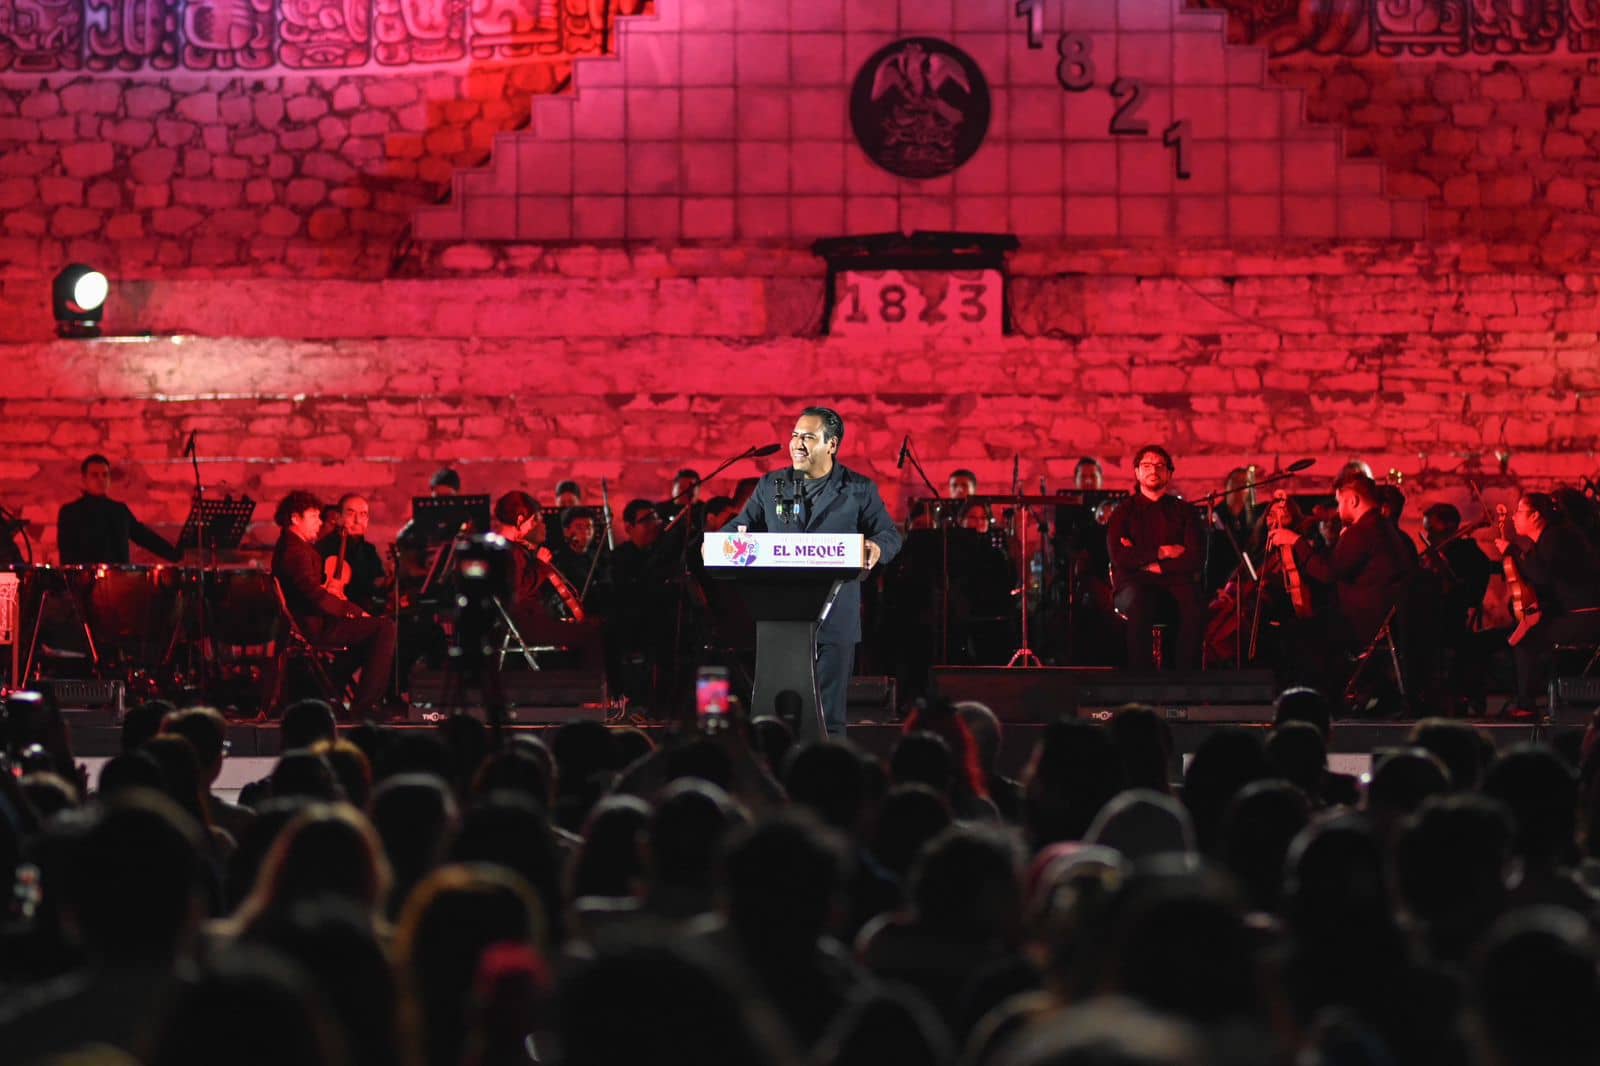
{"type": "Point", "coordinates": [88, 160]}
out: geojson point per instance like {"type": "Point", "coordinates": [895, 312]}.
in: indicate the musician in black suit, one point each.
{"type": "Point", "coordinates": [1557, 561]}
{"type": "Point", "coordinates": [94, 528]}
{"type": "Point", "coordinates": [326, 619]}
{"type": "Point", "coordinates": [1157, 547]}
{"type": "Point", "coordinates": [830, 498]}
{"type": "Point", "coordinates": [369, 582]}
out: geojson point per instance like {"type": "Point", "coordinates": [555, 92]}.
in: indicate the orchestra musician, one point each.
{"type": "Point", "coordinates": [1561, 567]}
{"type": "Point", "coordinates": [1087, 475]}
{"type": "Point", "coordinates": [639, 631]}
{"type": "Point", "coordinates": [326, 619]}
{"type": "Point", "coordinates": [963, 483]}
{"type": "Point", "coordinates": [94, 528]}
{"type": "Point", "coordinates": [829, 498]}
{"type": "Point", "coordinates": [1453, 579]}
{"type": "Point", "coordinates": [1157, 545]}
{"type": "Point", "coordinates": [367, 583]}
{"type": "Point", "coordinates": [539, 591]}
{"type": "Point", "coordinates": [1369, 568]}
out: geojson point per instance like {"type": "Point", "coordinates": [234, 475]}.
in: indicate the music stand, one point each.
{"type": "Point", "coordinates": [216, 524]}
{"type": "Point", "coordinates": [437, 519]}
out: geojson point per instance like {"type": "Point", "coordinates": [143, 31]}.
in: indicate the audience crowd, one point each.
{"type": "Point", "coordinates": [591, 898]}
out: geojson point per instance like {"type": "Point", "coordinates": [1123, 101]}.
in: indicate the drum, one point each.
{"type": "Point", "coordinates": [132, 610]}
{"type": "Point", "coordinates": [241, 606]}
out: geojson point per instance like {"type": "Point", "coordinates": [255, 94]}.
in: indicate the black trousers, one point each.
{"type": "Point", "coordinates": [1534, 653]}
{"type": "Point", "coordinates": [835, 664]}
{"type": "Point", "coordinates": [371, 642]}
{"type": "Point", "coordinates": [1145, 605]}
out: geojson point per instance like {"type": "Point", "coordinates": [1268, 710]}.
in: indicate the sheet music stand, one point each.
{"type": "Point", "coordinates": [216, 524]}
{"type": "Point", "coordinates": [437, 519]}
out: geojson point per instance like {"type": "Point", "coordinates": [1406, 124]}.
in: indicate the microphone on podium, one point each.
{"type": "Point", "coordinates": [763, 451]}
{"type": "Point", "coordinates": [905, 453]}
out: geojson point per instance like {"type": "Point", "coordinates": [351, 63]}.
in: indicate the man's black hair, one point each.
{"type": "Point", "coordinates": [832, 423]}
{"type": "Point", "coordinates": [90, 460]}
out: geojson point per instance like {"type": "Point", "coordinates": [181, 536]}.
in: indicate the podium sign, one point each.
{"type": "Point", "coordinates": [785, 551]}
{"type": "Point", "coordinates": [789, 581]}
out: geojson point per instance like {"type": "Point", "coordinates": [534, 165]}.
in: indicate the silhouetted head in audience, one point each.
{"type": "Point", "coordinates": [1464, 751]}
{"type": "Point", "coordinates": [248, 990]}
{"type": "Point", "coordinates": [681, 842]}
{"type": "Point", "coordinates": [467, 740]}
{"type": "Point", "coordinates": [416, 818]}
{"type": "Point", "coordinates": [684, 1009]}
{"type": "Point", "coordinates": [1452, 860]}
{"type": "Point", "coordinates": [939, 717]}
{"type": "Point", "coordinates": [781, 879]}
{"type": "Point", "coordinates": [608, 863]}
{"type": "Point", "coordinates": [326, 850]}
{"type": "Point", "coordinates": [510, 830]}
{"type": "Point", "coordinates": [1541, 792]}
{"type": "Point", "coordinates": [1299, 755]}
{"type": "Point", "coordinates": [48, 794]}
{"type": "Point", "coordinates": [514, 769]}
{"type": "Point", "coordinates": [633, 744]}
{"type": "Point", "coordinates": [1303, 704]}
{"type": "Point", "coordinates": [1183, 948]}
{"type": "Point", "coordinates": [984, 726]}
{"type": "Point", "coordinates": [334, 944]}
{"type": "Point", "coordinates": [826, 777]}
{"type": "Point", "coordinates": [1073, 772]}
{"type": "Point", "coordinates": [132, 769]}
{"type": "Point", "coordinates": [1107, 1032]}
{"type": "Point", "coordinates": [305, 722]}
{"type": "Point", "coordinates": [255, 840]}
{"type": "Point", "coordinates": [143, 721]}
{"type": "Point", "coordinates": [181, 775]}
{"type": "Point", "coordinates": [1334, 885]}
{"type": "Point", "coordinates": [587, 758]}
{"type": "Point", "coordinates": [886, 1025]}
{"type": "Point", "coordinates": [206, 730]}
{"type": "Point", "coordinates": [456, 914]}
{"type": "Point", "coordinates": [1401, 779]}
{"type": "Point", "coordinates": [923, 759]}
{"type": "Point", "coordinates": [414, 751]}
{"type": "Point", "coordinates": [350, 768]}
{"type": "Point", "coordinates": [307, 774]}
{"type": "Point", "coordinates": [1143, 741]}
{"type": "Point", "coordinates": [967, 885]}
{"type": "Point", "coordinates": [1224, 762]}
{"type": "Point", "coordinates": [702, 758]}
{"type": "Point", "coordinates": [1141, 823]}
{"type": "Point", "coordinates": [1537, 991]}
{"type": "Point", "coordinates": [772, 739]}
{"type": "Point", "coordinates": [911, 816]}
{"type": "Point", "coordinates": [512, 997]}
{"type": "Point", "coordinates": [1261, 823]}
{"type": "Point", "coordinates": [136, 885]}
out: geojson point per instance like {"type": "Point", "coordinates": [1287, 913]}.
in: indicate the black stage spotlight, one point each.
{"type": "Point", "coordinates": [79, 298]}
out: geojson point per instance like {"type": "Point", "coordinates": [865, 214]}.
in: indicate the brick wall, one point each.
{"type": "Point", "coordinates": [594, 363]}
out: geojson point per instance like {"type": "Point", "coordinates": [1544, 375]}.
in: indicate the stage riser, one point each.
{"type": "Point", "coordinates": [1041, 695]}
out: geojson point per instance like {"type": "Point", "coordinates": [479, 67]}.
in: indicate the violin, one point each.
{"type": "Point", "coordinates": [1524, 602]}
{"type": "Point", "coordinates": [336, 570]}
{"type": "Point", "coordinates": [567, 605]}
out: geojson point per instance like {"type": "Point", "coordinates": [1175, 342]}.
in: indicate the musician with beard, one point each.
{"type": "Point", "coordinates": [368, 583]}
{"type": "Point", "coordinates": [1157, 547]}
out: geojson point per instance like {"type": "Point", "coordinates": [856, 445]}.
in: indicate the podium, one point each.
{"type": "Point", "coordinates": [789, 582]}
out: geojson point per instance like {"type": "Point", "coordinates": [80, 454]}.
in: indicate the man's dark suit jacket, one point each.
{"type": "Point", "coordinates": [1369, 569]}
{"type": "Point", "coordinates": [97, 529]}
{"type": "Point", "coordinates": [298, 567]}
{"type": "Point", "coordinates": [842, 502]}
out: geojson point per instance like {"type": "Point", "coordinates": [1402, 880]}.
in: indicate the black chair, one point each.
{"type": "Point", "coordinates": [294, 646]}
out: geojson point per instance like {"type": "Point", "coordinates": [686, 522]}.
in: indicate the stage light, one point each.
{"type": "Point", "coordinates": [79, 299]}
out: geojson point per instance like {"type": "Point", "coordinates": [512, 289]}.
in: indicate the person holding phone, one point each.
{"type": "Point", "coordinates": [827, 497]}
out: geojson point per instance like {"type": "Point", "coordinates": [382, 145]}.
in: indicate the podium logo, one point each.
{"type": "Point", "coordinates": [739, 551]}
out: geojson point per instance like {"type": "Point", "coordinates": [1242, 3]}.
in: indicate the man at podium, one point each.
{"type": "Point", "coordinates": [820, 495]}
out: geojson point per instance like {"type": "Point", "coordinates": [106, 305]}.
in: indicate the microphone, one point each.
{"type": "Point", "coordinates": [905, 452]}
{"type": "Point", "coordinates": [764, 451]}
{"type": "Point", "coordinates": [1301, 464]}
{"type": "Point", "coordinates": [188, 449]}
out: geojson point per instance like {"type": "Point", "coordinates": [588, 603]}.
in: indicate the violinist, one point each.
{"type": "Point", "coordinates": [1559, 566]}
{"type": "Point", "coordinates": [1277, 613]}
{"type": "Point", "coordinates": [346, 542]}
{"type": "Point", "coordinates": [539, 592]}
{"type": "Point", "coordinates": [1369, 568]}
{"type": "Point", "coordinates": [1454, 576]}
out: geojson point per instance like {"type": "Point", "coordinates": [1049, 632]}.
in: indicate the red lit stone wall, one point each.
{"type": "Point", "coordinates": [594, 363]}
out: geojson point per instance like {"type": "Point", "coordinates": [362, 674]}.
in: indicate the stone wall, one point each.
{"type": "Point", "coordinates": [601, 363]}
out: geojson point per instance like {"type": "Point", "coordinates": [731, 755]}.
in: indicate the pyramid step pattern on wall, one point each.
{"type": "Point", "coordinates": [721, 120]}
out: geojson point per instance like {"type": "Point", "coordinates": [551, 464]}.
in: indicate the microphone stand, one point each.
{"type": "Point", "coordinates": [944, 555]}
{"type": "Point", "coordinates": [203, 528]}
{"type": "Point", "coordinates": [1024, 656]}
